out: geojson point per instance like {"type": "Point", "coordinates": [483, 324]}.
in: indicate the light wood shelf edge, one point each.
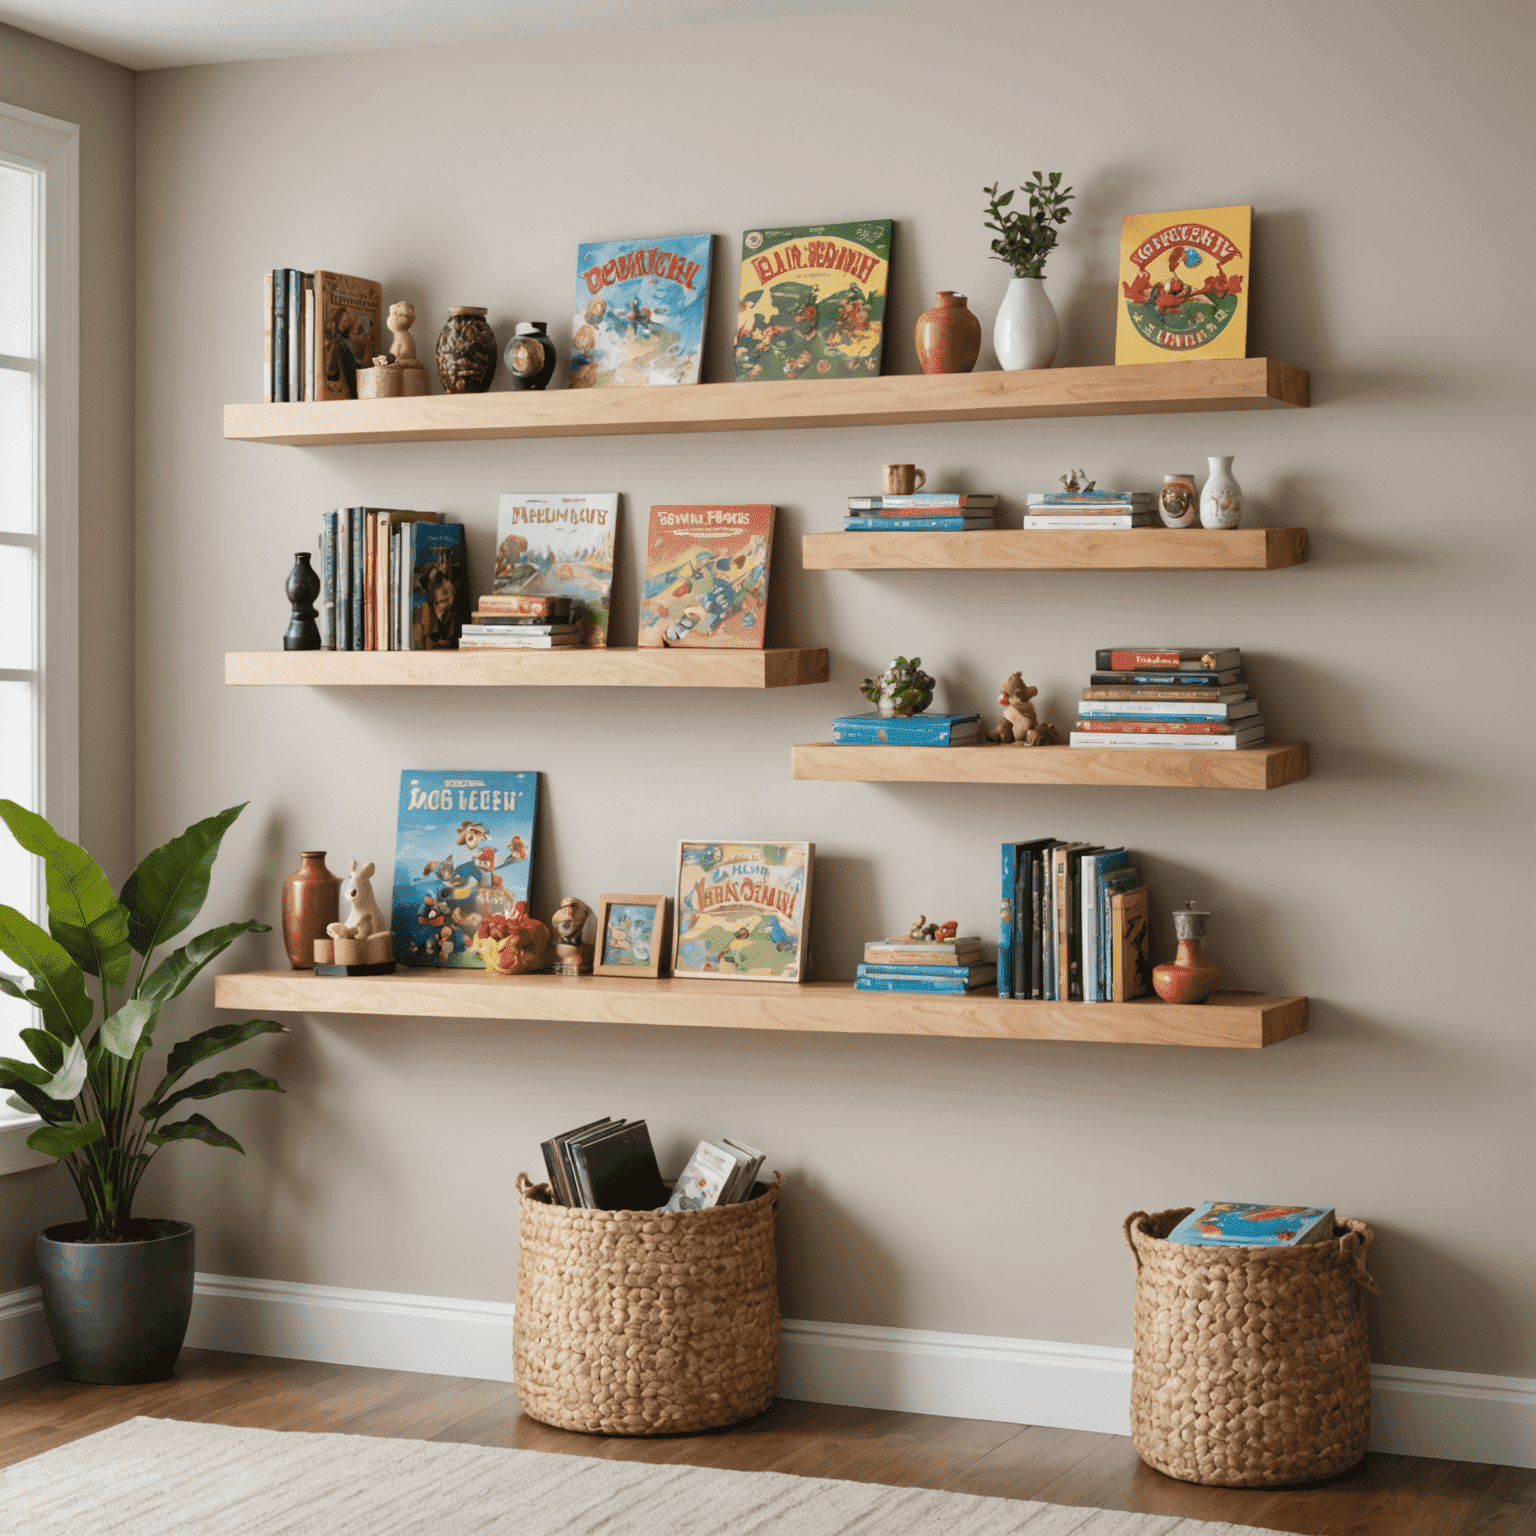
{"type": "Point", "coordinates": [1270, 766]}
{"type": "Point", "coordinates": [1230, 384]}
{"type": "Point", "coordinates": [1237, 1020]}
{"type": "Point", "coordinates": [1043, 549]}
{"type": "Point", "coordinates": [609, 667]}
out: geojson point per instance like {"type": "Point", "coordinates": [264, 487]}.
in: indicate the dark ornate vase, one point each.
{"type": "Point", "coordinates": [302, 589]}
{"type": "Point", "coordinates": [466, 352]}
{"type": "Point", "coordinates": [118, 1312]}
{"type": "Point", "coordinates": [530, 357]}
{"type": "Point", "coordinates": [311, 901]}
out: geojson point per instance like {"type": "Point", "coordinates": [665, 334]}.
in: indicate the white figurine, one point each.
{"type": "Point", "coordinates": [364, 920]}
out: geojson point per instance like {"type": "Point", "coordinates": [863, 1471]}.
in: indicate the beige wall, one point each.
{"type": "Point", "coordinates": [46, 77]}
{"type": "Point", "coordinates": [935, 1184]}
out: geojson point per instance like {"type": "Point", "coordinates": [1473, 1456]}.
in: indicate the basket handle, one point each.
{"type": "Point", "coordinates": [1130, 1242]}
{"type": "Point", "coordinates": [1352, 1247]}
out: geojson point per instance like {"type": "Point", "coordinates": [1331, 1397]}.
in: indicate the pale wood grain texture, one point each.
{"type": "Point", "coordinates": [1230, 1019]}
{"type": "Point", "coordinates": [1234, 384]}
{"type": "Point", "coordinates": [577, 667]}
{"type": "Point", "coordinates": [1044, 549]}
{"type": "Point", "coordinates": [1266, 767]}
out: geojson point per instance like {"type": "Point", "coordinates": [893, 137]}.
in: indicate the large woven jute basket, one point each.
{"type": "Point", "coordinates": [645, 1322]}
{"type": "Point", "coordinates": [1251, 1365]}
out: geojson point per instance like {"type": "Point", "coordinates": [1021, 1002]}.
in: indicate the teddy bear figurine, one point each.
{"type": "Point", "coordinates": [572, 957]}
{"type": "Point", "coordinates": [1020, 726]}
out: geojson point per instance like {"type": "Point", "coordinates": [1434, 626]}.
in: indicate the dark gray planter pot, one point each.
{"type": "Point", "coordinates": [118, 1311]}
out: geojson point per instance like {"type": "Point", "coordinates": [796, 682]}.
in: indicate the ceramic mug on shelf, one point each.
{"type": "Point", "coordinates": [1178, 505]}
{"type": "Point", "coordinates": [903, 479]}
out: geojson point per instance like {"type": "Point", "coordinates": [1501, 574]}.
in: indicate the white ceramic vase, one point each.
{"type": "Point", "coordinates": [1221, 502]}
{"type": "Point", "coordinates": [1026, 332]}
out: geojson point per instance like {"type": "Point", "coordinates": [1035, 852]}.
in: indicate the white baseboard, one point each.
{"type": "Point", "coordinates": [1451, 1414]}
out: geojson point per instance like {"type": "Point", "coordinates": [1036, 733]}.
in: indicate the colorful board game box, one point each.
{"type": "Point", "coordinates": [1231, 1224]}
{"type": "Point", "coordinates": [706, 576]}
{"type": "Point", "coordinates": [741, 911]}
{"type": "Point", "coordinates": [812, 301]}
{"type": "Point", "coordinates": [1183, 285]}
{"type": "Point", "coordinates": [559, 546]}
{"type": "Point", "coordinates": [640, 311]}
{"type": "Point", "coordinates": [463, 852]}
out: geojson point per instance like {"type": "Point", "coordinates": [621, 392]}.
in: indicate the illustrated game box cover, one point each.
{"type": "Point", "coordinates": [559, 546]}
{"type": "Point", "coordinates": [706, 576]}
{"type": "Point", "coordinates": [742, 909]}
{"type": "Point", "coordinates": [1183, 285]}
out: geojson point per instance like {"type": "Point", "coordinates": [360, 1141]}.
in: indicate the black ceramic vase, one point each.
{"type": "Point", "coordinates": [118, 1311]}
{"type": "Point", "coordinates": [466, 352]}
{"type": "Point", "coordinates": [302, 589]}
{"type": "Point", "coordinates": [530, 356]}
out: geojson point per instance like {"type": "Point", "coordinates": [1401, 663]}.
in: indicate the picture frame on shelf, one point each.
{"type": "Point", "coordinates": [631, 936]}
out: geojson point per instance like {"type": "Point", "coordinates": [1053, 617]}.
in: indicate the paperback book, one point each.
{"type": "Point", "coordinates": [463, 853]}
{"type": "Point", "coordinates": [925, 730]}
{"type": "Point", "coordinates": [741, 910]}
{"type": "Point", "coordinates": [917, 524]}
{"type": "Point", "coordinates": [559, 545]}
{"type": "Point", "coordinates": [1167, 659]}
{"type": "Point", "coordinates": [346, 333]}
{"type": "Point", "coordinates": [924, 504]}
{"type": "Point", "coordinates": [439, 584]}
{"type": "Point", "coordinates": [640, 311]}
{"type": "Point", "coordinates": [1251, 738]}
{"type": "Point", "coordinates": [706, 576]}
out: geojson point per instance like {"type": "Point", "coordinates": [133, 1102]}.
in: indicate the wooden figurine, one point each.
{"type": "Point", "coordinates": [572, 956]}
{"type": "Point", "coordinates": [364, 940]}
{"type": "Point", "coordinates": [399, 371]}
{"type": "Point", "coordinates": [1019, 724]}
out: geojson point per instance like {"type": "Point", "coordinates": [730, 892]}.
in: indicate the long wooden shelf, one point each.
{"type": "Point", "coordinates": [578, 667]}
{"type": "Point", "coordinates": [1266, 767]}
{"type": "Point", "coordinates": [1235, 384]}
{"type": "Point", "coordinates": [1232, 1019]}
{"type": "Point", "coordinates": [1044, 549]}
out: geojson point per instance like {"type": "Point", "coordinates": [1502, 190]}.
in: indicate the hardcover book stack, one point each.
{"type": "Point", "coordinates": [503, 621]}
{"type": "Point", "coordinates": [321, 327]}
{"type": "Point", "coordinates": [391, 581]}
{"type": "Point", "coordinates": [924, 965]}
{"type": "Point", "coordinates": [607, 1165]}
{"type": "Point", "coordinates": [1089, 509]}
{"type": "Point", "coordinates": [924, 730]}
{"type": "Point", "coordinates": [1073, 924]}
{"type": "Point", "coordinates": [719, 1173]}
{"type": "Point", "coordinates": [926, 512]}
{"type": "Point", "coordinates": [1168, 697]}
{"type": "Point", "coordinates": [554, 571]}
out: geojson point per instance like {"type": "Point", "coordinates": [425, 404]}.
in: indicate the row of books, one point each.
{"type": "Point", "coordinates": [1074, 924]}
{"type": "Point", "coordinates": [390, 580]}
{"type": "Point", "coordinates": [321, 327]}
{"type": "Point", "coordinates": [1168, 697]}
{"type": "Point", "coordinates": [610, 1165]}
{"type": "Point", "coordinates": [933, 512]}
{"type": "Point", "coordinates": [950, 965]}
{"type": "Point", "coordinates": [1089, 509]}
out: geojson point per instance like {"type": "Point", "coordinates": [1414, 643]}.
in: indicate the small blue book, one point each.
{"type": "Point", "coordinates": [915, 984]}
{"type": "Point", "coordinates": [977, 975]}
{"type": "Point", "coordinates": [1230, 1224]}
{"type": "Point", "coordinates": [916, 524]}
{"type": "Point", "coordinates": [906, 730]}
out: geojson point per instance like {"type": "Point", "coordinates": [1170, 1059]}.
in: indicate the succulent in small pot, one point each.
{"type": "Point", "coordinates": [902, 689]}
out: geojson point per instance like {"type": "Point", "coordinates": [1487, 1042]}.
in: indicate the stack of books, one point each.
{"type": "Point", "coordinates": [321, 327]}
{"type": "Point", "coordinates": [507, 621]}
{"type": "Point", "coordinates": [928, 512]}
{"type": "Point", "coordinates": [719, 1173]}
{"type": "Point", "coordinates": [1089, 509]}
{"type": "Point", "coordinates": [925, 730]}
{"type": "Point", "coordinates": [1168, 697]}
{"type": "Point", "coordinates": [1074, 924]}
{"type": "Point", "coordinates": [924, 965]}
{"type": "Point", "coordinates": [390, 581]}
{"type": "Point", "coordinates": [605, 1165]}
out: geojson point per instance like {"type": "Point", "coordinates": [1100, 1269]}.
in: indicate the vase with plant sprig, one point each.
{"type": "Point", "coordinates": [1026, 333]}
{"type": "Point", "coordinates": [117, 1289]}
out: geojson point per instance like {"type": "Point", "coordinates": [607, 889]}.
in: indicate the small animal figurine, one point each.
{"type": "Point", "coordinates": [902, 689]}
{"type": "Point", "coordinates": [922, 929]}
{"type": "Point", "coordinates": [1069, 483]}
{"type": "Point", "coordinates": [402, 349]}
{"type": "Point", "coordinates": [365, 919]}
{"type": "Point", "coordinates": [572, 957]}
{"type": "Point", "coordinates": [1019, 724]}
{"type": "Point", "coordinates": [947, 931]}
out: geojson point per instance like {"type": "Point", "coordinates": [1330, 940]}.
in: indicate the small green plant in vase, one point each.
{"type": "Point", "coordinates": [83, 1080]}
{"type": "Point", "coordinates": [902, 689]}
{"type": "Point", "coordinates": [1027, 333]}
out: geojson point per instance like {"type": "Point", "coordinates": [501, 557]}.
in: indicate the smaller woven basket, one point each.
{"type": "Point", "coordinates": [1251, 1365]}
{"type": "Point", "coordinates": [645, 1322]}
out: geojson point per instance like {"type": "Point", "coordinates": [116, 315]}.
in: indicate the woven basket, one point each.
{"type": "Point", "coordinates": [1251, 1365]}
{"type": "Point", "coordinates": [645, 1322]}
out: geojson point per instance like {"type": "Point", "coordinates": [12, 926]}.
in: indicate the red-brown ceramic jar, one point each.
{"type": "Point", "coordinates": [948, 336]}
{"type": "Point", "coordinates": [311, 900]}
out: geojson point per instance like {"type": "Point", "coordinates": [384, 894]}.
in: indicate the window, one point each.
{"type": "Point", "coordinates": [39, 307]}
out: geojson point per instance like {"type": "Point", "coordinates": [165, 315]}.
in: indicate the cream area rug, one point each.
{"type": "Point", "coordinates": [161, 1477]}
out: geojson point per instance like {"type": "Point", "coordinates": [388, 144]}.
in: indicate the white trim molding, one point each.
{"type": "Point", "coordinates": [1449, 1414]}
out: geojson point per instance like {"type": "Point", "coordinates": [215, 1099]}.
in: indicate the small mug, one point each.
{"type": "Point", "coordinates": [1178, 505]}
{"type": "Point", "coordinates": [903, 479]}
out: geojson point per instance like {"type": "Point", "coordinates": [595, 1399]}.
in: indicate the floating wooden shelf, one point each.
{"type": "Point", "coordinates": [578, 667]}
{"type": "Point", "coordinates": [1043, 549]}
{"type": "Point", "coordinates": [1267, 767]}
{"type": "Point", "coordinates": [1236, 384]}
{"type": "Point", "coordinates": [1233, 1019]}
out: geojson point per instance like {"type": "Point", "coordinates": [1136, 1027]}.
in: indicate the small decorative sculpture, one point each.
{"type": "Point", "coordinates": [902, 689]}
{"type": "Point", "coordinates": [512, 943]}
{"type": "Point", "coordinates": [303, 587]}
{"type": "Point", "coordinates": [466, 352]}
{"type": "Point", "coordinates": [572, 957]}
{"type": "Point", "coordinates": [1072, 488]}
{"type": "Point", "coordinates": [365, 919]}
{"type": "Point", "coordinates": [530, 355]}
{"type": "Point", "coordinates": [402, 350]}
{"type": "Point", "coordinates": [924, 932]}
{"type": "Point", "coordinates": [364, 941]}
{"type": "Point", "coordinates": [1189, 977]}
{"type": "Point", "coordinates": [398, 371]}
{"type": "Point", "coordinates": [1020, 725]}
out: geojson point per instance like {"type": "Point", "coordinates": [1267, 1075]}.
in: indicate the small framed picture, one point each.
{"type": "Point", "coordinates": [631, 936]}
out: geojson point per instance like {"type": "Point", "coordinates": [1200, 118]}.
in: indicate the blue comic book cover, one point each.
{"type": "Point", "coordinates": [640, 311]}
{"type": "Point", "coordinates": [1230, 1223]}
{"type": "Point", "coordinates": [463, 853]}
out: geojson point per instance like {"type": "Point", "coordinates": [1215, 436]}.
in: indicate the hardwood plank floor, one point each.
{"type": "Point", "coordinates": [1383, 1496]}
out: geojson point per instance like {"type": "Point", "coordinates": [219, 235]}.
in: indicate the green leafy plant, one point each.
{"type": "Point", "coordinates": [84, 1080]}
{"type": "Point", "coordinates": [1028, 238]}
{"type": "Point", "coordinates": [903, 684]}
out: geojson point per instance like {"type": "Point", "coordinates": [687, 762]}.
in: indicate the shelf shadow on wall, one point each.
{"type": "Point", "coordinates": [843, 899]}
{"type": "Point", "coordinates": [820, 1236]}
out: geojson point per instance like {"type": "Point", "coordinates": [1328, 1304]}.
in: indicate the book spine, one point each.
{"type": "Point", "coordinates": [309, 335]}
{"type": "Point", "coordinates": [1099, 739]}
{"type": "Point", "coordinates": [1063, 960]}
{"type": "Point", "coordinates": [1005, 924]}
{"type": "Point", "coordinates": [895, 504]}
{"type": "Point", "coordinates": [1181, 726]}
{"type": "Point", "coordinates": [980, 971]}
{"type": "Point", "coordinates": [1075, 928]}
{"type": "Point", "coordinates": [1117, 948]}
{"type": "Point", "coordinates": [343, 579]}
{"type": "Point", "coordinates": [279, 334]}
{"type": "Point", "coordinates": [381, 581]}
{"type": "Point", "coordinates": [1085, 508]}
{"type": "Point", "coordinates": [1159, 709]}
{"type": "Point", "coordinates": [1086, 498]}
{"type": "Point", "coordinates": [1017, 976]}
{"type": "Point", "coordinates": [1085, 524]}
{"type": "Point", "coordinates": [916, 984]}
{"type": "Point", "coordinates": [915, 524]}
{"type": "Point", "coordinates": [937, 733]}
{"type": "Point", "coordinates": [328, 582]}
{"type": "Point", "coordinates": [1161, 661]}
{"type": "Point", "coordinates": [1036, 866]}
{"type": "Point", "coordinates": [295, 282]}
{"type": "Point", "coordinates": [359, 591]}
{"type": "Point", "coordinates": [1203, 679]}
{"type": "Point", "coordinates": [1089, 928]}
{"type": "Point", "coordinates": [266, 334]}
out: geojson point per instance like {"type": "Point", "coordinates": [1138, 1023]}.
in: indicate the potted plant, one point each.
{"type": "Point", "coordinates": [117, 1289]}
{"type": "Point", "coordinates": [1026, 333]}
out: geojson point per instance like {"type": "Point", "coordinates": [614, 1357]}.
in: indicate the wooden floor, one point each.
{"type": "Point", "coordinates": [1384, 1496]}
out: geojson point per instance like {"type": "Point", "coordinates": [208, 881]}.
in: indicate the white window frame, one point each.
{"type": "Point", "coordinates": [52, 147]}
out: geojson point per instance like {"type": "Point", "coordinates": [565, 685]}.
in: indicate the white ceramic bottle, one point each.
{"type": "Point", "coordinates": [1221, 502]}
{"type": "Point", "coordinates": [1026, 333]}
